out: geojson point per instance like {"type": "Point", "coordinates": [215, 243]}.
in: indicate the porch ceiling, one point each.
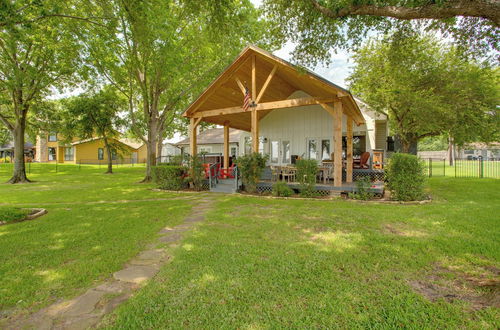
{"type": "Point", "coordinates": [224, 92]}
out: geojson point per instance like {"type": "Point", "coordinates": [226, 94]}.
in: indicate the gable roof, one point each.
{"type": "Point", "coordinates": [224, 92]}
{"type": "Point", "coordinates": [10, 146]}
{"type": "Point", "coordinates": [214, 136]}
{"type": "Point", "coordinates": [132, 143]}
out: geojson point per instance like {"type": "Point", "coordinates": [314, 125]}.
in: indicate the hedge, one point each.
{"type": "Point", "coordinates": [169, 177]}
{"type": "Point", "coordinates": [405, 177]}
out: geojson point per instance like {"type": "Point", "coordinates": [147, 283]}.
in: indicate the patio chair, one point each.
{"type": "Point", "coordinates": [227, 173]}
{"type": "Point", "coordinates": [363, 160]}
{"type": "Point", "coordinates": [288, 173]}
{"type": "Point", "coordinates": [206, 168]}
{"type": "Point", "coordinates": [275, 173]}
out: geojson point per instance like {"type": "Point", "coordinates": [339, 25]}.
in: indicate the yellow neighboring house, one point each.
{"type": "Point", "coordinates": [52, 148]}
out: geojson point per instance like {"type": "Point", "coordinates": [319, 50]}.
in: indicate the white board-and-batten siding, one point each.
{"type": "Point", "coordinates": [299, 125]}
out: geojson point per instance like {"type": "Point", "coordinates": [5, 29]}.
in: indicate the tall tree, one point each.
{"type": "Point", "coordinates": [427, 89]}
{"type": "Point", "coordinates": [317, 26]}
{"type": "Point", "coordinates": [160, 53]}
{"type": "Point", "coordinates": [92, 115]}
{"type": "Point", "coordinates": [35, 55]}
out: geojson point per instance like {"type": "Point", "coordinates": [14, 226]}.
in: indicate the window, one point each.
{"type": "Point", "coordinates": [52, 137]}
{"type": "Point", "coordinates": [325, 149]}
{"type": "Point", "coordinates": [69, 153]}
{"type": "Point", "coordinates": [469, 152]}
{"type": "Point", "coordinates": [275, 152]}
{"type": "Point", "coordinates": [100, 154]}
{"type": "Point", "coordinates": [205, 149]}
{"type": "Point", "coordinates": [113, 154]}
{"type": "Point", "coordinates": [358, 145]}
{"type": "Point", "coordinates": [52, 153]}
{"type": "Point", "coordinates": [248, 145]}
{"type": "Point", "coordinates": [312, 149]}
{"type": "Point", "coordinates": [285, 152]}
{"type": "Point", "coordinates": [233, 152]}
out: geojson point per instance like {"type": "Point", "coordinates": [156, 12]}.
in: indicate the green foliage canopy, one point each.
{"type": "Point", "coordinates": [317, 26]}
{"type": "Point", "coordinates": [427, 89]}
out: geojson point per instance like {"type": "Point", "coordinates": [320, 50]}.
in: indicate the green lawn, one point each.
{"type": "Point", "coordinates": [257, 262]}
{"type": "Point", "coordinates": [77, 243]}
{"type": "Point", "coordinates": [261, 263]}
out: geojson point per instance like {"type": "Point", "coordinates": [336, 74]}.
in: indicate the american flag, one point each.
{"type": "Point", "coordinates": [246, 100]}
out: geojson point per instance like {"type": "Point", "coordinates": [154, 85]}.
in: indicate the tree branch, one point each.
{"type": "Point", "coordinates": [4, 120]}
{"type": "Point", "coordinates": [487, 9]}
{"type": "Point", "coordinates": [42, 17]}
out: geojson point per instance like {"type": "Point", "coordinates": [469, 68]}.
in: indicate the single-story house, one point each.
{"type": "Point", "coordinates": [52, 147]}
{"type": "Point", "coordinates": [292, 113]}
{"type": "Point", "coordinates": [211, 141]}
{"type": "Point", "coordinates": [170, 149]}
{"type": "Point", "coordinates": [7, 151]}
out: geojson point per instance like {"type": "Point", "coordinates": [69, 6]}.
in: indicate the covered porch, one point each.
{"type": "Point", "coordinates": [276, 86]}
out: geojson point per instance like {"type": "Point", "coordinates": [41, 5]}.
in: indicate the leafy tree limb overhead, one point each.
{"type": "Point", "coordinates": [317, 26]}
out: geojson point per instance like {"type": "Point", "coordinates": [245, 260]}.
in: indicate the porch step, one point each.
{"type": "Point", "coordinates": [225, 186]}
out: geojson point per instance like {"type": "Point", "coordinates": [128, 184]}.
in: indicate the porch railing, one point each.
{"type": "Point", "coordinates": [236, 178]}
{"type": "Point", "coordinates": [213, 175]}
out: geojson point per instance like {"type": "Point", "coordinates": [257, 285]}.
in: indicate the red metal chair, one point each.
{"type": "Point", "coordinates": [206, 168]}
{"type": "Point", "coordinates": [227, 173]}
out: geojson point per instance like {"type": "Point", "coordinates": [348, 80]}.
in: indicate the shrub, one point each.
{"type": "Point", "coordinates": [307, 170]}
{"type": "Point", "coordinates": [281, 189]}
{"type": "Point", "coordinates": [169, 177]}
{"type": "Point", "coordinates": [196, 173]}
{"type": "Point", "coordinates": [251, 167]}
{"type": "Point", "coordinates": [363, 186]}
{"type": "Point", "coordinates": [405, 177]}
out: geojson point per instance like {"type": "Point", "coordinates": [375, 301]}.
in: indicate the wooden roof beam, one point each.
{"type": "Point", "coordinates": [266, 106]}
{"type": "Point", "coordinates": [266, 84]}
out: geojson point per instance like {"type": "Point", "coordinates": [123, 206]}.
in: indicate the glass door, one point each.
{"type": "Point", "coordinates": [280, 153]}
{"type": "Point", "coordinates": [274, 156]}
{"type": "Point", "coordinates": [285, 152]}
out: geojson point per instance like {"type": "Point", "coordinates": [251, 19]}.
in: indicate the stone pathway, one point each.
{"type": "Point", "coordinates": [88, 309]}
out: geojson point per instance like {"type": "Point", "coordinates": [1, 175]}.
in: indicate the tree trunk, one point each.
{"type": "Point", "coordinates": [159, 146]}
{"type": "Point", "coordinates": [451, 151]}
{"type": "Point", "coordinates": [110, 157]}
{"type": "Point", "coordinates": [19, 175]}
{"type": "Point", "coordinates": [151, 147]}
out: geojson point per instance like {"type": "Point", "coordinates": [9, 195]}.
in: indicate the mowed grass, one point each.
{"type": "Point", "coordinates": [84, 238]}
{"type": "Point", "coordinates": [261, 263]}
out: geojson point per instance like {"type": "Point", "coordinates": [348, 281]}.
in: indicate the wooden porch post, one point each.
{"type": "Point", "coordinates": [226, 145]}
{"type": "Point", "coordinates": [337, 142]}
{"type": "Point", "coordinates": [349, 150]}
{"type": "Point", "coordinates": [192, 136]}
{"type": "Point", "coordinates": [255, 118]}
{"type": "Point", "coordinates": [255, 131]}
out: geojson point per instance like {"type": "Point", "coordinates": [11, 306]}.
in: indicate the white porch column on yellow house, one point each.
{"type": "Point", "coordinates": [337, 143]}
{"type": "Point", "coordinates": [349, 161]}
{"type": "Point", "coordinates": [193, 122]}
{"type": "Point", "coordinates": [226, 145]}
